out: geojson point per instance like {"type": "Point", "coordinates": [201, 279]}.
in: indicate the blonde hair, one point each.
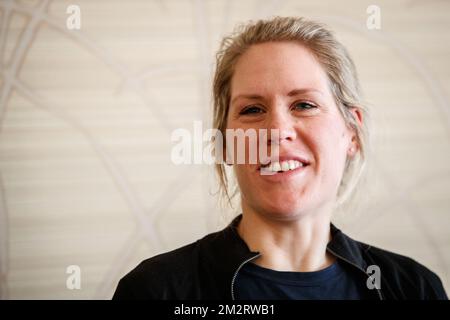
{"type": "Point", "coordinates": [334, 59]}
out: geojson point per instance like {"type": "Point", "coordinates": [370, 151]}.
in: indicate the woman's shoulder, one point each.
{"type": "Point", "coordinates": [181, 256]}
{"type": "Point", "coordinates": [157, 276]}
{"type": "Point", "coordinates": [150, 278]}
{"type": "Point", "coordinates": [396, 260]}
{"type": "Point", "coordinates": [169, 259]}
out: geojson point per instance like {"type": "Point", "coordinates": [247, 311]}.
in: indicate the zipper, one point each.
{"type": "Point", "coordinates": [356, 266]}
{"type": "Point", "coordinates": [236, 272]}
{"type": "Point", "coordinates": [259, 254]}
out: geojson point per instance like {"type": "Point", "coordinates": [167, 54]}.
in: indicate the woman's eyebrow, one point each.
{"type": "Point", "coordinates": [303, 91]}
{"type": "Point", "coordinates": [247, 96]}
{"type": "Point", "coordinates": [291, 93]}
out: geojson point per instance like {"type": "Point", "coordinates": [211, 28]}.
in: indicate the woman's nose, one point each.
{"type": "Point", "coordinates": [280, 126]}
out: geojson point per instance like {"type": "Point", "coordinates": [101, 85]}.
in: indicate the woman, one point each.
{"type": "Point", "coordinates": [291, 75]}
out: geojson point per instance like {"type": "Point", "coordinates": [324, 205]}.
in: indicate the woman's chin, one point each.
{"type": "Point", "coordinates": [284, 210]}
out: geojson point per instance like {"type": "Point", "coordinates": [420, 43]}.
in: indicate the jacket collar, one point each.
{"type": "Point", "coordinates": [226, 252]}
{"type": "Point", "coordinates": [341, 246]}
{"type": "Point", "coordinates": [344, 247]}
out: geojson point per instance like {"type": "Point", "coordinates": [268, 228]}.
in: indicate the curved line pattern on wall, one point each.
{"type": "Point", "coordinates": [144, 219]}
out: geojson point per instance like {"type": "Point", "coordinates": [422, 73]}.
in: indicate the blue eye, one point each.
{"type": "Point", "coordinates": [304, 106]}
{"type": "Point", "coordinates": [251, 110]}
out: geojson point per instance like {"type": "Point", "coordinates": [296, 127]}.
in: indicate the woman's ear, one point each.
{"type": "Point", "coordinates": [354, 143]}
{"type": "Point", "coordinates": [357, 115]}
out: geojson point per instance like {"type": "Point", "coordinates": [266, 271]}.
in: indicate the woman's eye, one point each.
{"type": "Point", "coordinates": [304, 106]}
{"type": "Point", "coordinates": [251, 110]}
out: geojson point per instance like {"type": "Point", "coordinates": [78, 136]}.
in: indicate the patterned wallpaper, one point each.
{"type": "Point", "coordinates": [91, 91]}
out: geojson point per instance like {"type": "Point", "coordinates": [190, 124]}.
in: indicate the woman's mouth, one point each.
{"type": "Point", "coordinates": [280, 166]}
{"type": "Point", "coordinates": [283, 167]}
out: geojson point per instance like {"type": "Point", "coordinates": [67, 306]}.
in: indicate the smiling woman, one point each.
{"type": "Point", "coordinates": [290, 75]}
{"type": "Point", "coordinates": [310, 126]}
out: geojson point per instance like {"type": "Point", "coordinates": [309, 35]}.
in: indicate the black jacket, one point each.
{"type": "Point", "coordinates": [207, 268]}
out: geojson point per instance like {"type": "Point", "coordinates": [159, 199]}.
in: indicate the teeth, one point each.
{"type": "Point", "coordinates": [283, 166]}
{"type": "Point", "coordinates": [291, 164]}
{"type": "Point", "coordinates": [275, 166]}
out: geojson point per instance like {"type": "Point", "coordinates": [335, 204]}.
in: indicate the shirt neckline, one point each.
{"type": "Point", "coordinates": [312, 278]}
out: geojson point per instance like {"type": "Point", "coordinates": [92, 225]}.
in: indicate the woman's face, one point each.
{"type": "Point", "coordinates": [280, 85]}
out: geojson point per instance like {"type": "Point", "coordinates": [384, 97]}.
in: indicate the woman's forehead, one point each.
{"type": "Point", "coordinates": [277, 67]}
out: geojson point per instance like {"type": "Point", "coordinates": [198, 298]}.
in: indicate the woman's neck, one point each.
{"type": "Point", "coordinates": [298, 245]}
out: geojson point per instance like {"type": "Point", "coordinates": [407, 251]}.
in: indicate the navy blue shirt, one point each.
{"type": "Point", "coordinates": [336, 282]}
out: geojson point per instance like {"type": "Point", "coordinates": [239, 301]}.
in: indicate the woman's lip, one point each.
{"type": "Point", "coordinates": [285, 158]}
{"type": "Point", "coordinates": [277, 176]}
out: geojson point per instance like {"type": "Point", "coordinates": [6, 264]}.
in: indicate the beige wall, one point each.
{"type": "Point", "coordinates": [86, 116]}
